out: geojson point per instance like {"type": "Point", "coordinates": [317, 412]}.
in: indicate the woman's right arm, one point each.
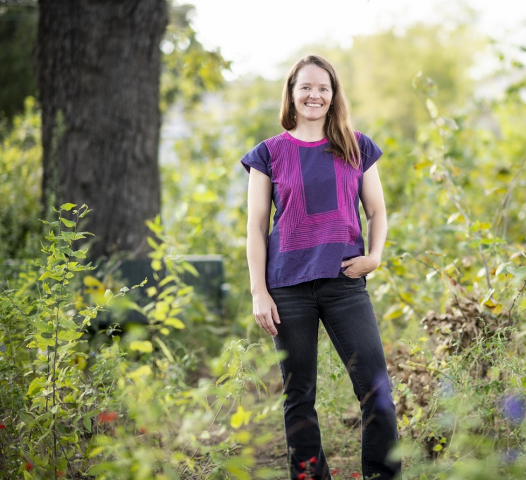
{"type": "Point", "coordinates": [259, 202]}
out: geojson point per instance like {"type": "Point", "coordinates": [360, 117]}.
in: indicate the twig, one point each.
{"type": "Point", "coordinates": [514, 302]}
{"type": "Point", "coordinates": [499, 213]}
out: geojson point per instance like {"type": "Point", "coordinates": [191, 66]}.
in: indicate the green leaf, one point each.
{"type": "Point", "coordinates": [36, 386]}
{"type": "Point", "coordinates": [431, 107]}
{"type": "Point", "coordinates": [66, 222]}
{"type": "Point", "coordinates": [48, 274]}
{"type": "Point", "coordinates": [43, 342]}
{"type": "Point", "coordinates": [69, 335]}
{"type": "Point", "coordinates": [268, 473]}
{"type": "Point", "coordinates": [167, 279]}
{"type": "Point", "coordinates": [44, 327]}
{"type": "Point", "coordinates": [152, 243]}
{"type": "Point", "coordinates": [67, 206]}
{"type": "Point", "coordinates": [103, 467]}
{"type": "Point", "coordinates": [185, 291]}
{"type": "Point", "coordinates": [190, 268]}
{"type": "Point", "coordinates": [165, 350]}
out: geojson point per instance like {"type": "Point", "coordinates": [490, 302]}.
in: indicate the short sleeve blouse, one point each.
{"type": "Point", "coordinates": [317, 222]}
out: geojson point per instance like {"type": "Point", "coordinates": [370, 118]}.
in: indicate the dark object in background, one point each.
{"type": "Point", "coordinates": [208, 286]}
{"type": "Point", "coordinates": [18, 30]}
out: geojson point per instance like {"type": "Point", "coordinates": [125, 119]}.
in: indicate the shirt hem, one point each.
{"type": "Point", "coordinates": [303, 279]}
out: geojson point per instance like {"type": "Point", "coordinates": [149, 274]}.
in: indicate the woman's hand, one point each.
{"type": "Point", "coordinates": [359, 266]}
{"type": "Point", "coordinates": [265, 312]}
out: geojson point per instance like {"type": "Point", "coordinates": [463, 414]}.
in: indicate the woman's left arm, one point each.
{"type": "Point", "coordinates": [372, 198]}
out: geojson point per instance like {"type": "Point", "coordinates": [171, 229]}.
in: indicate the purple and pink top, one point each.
{"type": "Point", "coordinates": [317, 223]}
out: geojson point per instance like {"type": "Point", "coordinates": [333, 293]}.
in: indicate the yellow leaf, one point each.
{"type": "Point", "coordinates": [423, 164]}
{"type": "Point", "coordinates": [144, 371]}
{"type": "Point", "coordinates": [174, 322]}
{"type": "Point", "coordinates": [240, 417]}
{"type": "Point", "coordinates": [141, 346]}
{"type": "Point", "coordinates": [243, 436]}
{"type": "Point", "coordinates": [91, 281]}
{"type": "Point", "coordinates": [393, 312]}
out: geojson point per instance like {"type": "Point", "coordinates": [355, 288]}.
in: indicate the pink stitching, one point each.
{"type": "Point", "coordinates": [299, 230]}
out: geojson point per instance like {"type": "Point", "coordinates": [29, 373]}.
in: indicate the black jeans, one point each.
{"type": "Point", "coordinates": [344, 307]}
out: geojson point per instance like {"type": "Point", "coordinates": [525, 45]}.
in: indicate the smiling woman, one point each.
{"type": "Point", "coordinates": [313, 265]}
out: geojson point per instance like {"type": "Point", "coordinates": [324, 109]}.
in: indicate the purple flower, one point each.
{"type": "Point", "coordinates": [92, 354]}
{"type": "Point", "coordinates": [446, 387]}
{"type": "Point", "coordinates": [383, 400]}
{"type": "Point", "coordinates": [510, 455]}
{"type": "Point", "coordinates": [514, 407]}
{"type": "Point", "coordinates": [3, 348]}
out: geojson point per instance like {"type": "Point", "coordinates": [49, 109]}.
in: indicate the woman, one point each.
{"type": "Point", "coordinates": [313, 264]}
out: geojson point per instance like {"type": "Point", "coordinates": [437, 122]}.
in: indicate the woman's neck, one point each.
{"type": "Point", "coordinates": [308, 132]}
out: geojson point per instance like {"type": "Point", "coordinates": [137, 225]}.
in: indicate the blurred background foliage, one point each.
{"type": "Point", "coordinates": [449, 295]}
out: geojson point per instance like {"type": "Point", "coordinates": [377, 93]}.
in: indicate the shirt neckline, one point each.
{"type": "Point", "coordinates": [301, 143]}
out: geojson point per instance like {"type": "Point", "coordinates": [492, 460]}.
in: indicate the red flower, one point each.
{"type": "Point", "coordinates": [334, 471]}
{"type": "Point", "coordinates": [29, 466]}
{"type": "Point", "coordinates": [2, 426]}
{"type": "Point", "coordinates": [302, 476]}
{"type": "Point", "coordinates": [107, 417]}
{"type": "Point", "coordinates": [355, 475]}
{"type": "Point", "coordinates": [302, 465]}
{"type": "Point", "coordinates": [313, 460]}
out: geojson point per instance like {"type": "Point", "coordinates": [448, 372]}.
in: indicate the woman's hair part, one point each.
{"type": "Point", "coordinates": [338, 126]}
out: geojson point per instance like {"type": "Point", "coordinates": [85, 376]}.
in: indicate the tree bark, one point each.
{"type": "Point", "coordinates": [98, 66]}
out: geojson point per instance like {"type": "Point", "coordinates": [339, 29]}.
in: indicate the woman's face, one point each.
{"type": "Point", "coordinates": [312, 94]}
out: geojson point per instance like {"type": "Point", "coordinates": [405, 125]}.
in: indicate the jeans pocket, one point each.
{"type": "Point", "coordinates": [354, 281]}
{"type": "Point", "coordinates": [350, 278]}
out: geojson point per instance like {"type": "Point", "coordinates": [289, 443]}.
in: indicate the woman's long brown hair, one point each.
{"type": "Point", "coordinates": [338, 127]}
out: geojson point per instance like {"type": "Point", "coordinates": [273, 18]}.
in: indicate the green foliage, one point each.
{"type": "Point", "coordinates": [20, 177]}
{"type": "Point", "coordinates": [188, 70]}
{"type": "Point", "coordinates": [68, 412]}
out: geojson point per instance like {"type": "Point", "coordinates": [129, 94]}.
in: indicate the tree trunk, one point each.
{"type": "Point", "coordinates": [98, 65]}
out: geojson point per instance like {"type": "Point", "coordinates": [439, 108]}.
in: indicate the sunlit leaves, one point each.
{"type": "Point", "coordinates": [141, 346]}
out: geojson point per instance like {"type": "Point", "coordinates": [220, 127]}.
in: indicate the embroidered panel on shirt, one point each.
{"type": "Point", "coordinates": [297, 228]}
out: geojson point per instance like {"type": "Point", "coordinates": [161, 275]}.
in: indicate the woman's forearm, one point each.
{"type": "Point", "coordinates": [257, 256]}
{"type": "Point", "coordinates": [377, 233]}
